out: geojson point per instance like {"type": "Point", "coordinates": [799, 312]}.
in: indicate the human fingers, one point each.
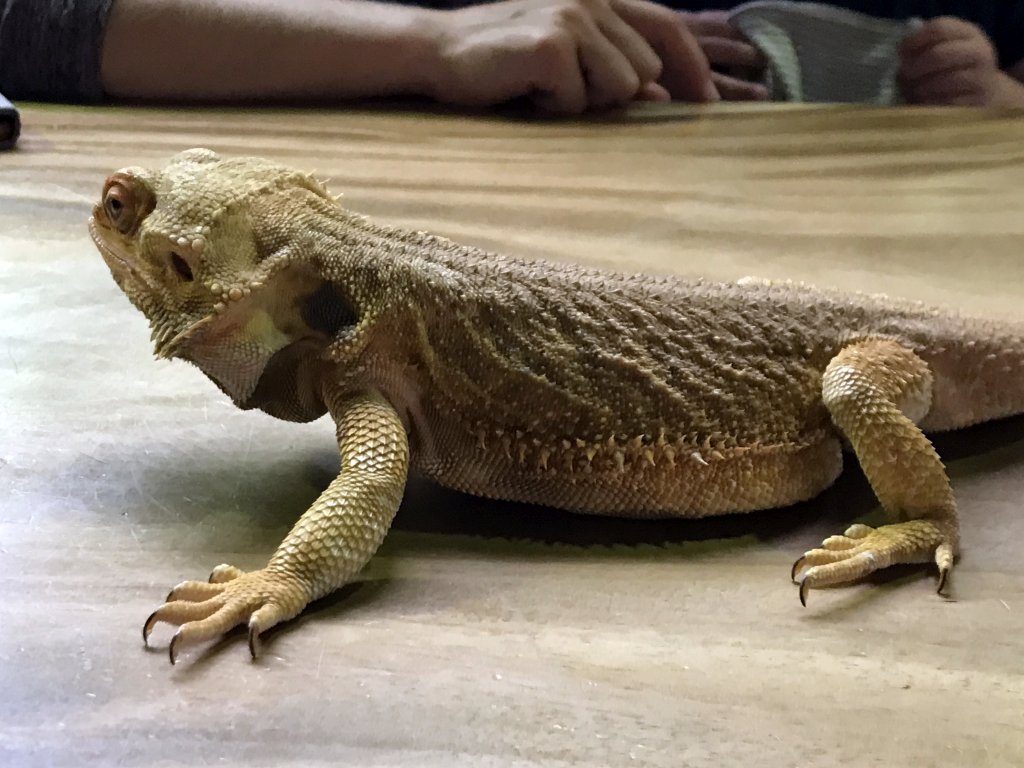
{"type": "Point", "coordinates": [961, 53]}
{"type": "Point", "coordinates": [962, 87]}
{"type": "Point", "coordinates": [935, 31]}
{"type": "Point", "coordinates": [631, 44]}
{"type": "Point", "coordinates": [711, 24]}
{"type": "Point", "coordinates": [653, 92]}
{"type": "Point", "coordinates": [559, 85]}
{"type": "Point", "coordinates": [685, 73]}
{"type": "Point", "coordinates": [613, 59]}
{"type": "Point", "coordinates": [735, 89]}
{"type": "Point", "coordinates": [966, 100]}
{"type": "Point", "coordinates": [555, 53]}
{"type": "Point", "coordinates": [609, 75]}
{"type": "Point", "coordinates": [726, 52]}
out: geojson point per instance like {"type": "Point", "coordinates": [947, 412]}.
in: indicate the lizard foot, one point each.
{"type": "Point", "coordinates": [207, 609]}
{"type": "Point", "coordinates": [862, 550]}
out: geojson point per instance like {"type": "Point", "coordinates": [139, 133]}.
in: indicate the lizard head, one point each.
{"type": "Point", "coordinates": [195, 247]}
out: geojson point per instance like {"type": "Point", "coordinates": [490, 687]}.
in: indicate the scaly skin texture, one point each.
{"type": "Point", "coordinates": [585, 390]}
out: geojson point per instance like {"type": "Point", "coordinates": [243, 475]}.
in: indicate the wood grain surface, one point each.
{"type": "Point", "coordinates": [489, 634]}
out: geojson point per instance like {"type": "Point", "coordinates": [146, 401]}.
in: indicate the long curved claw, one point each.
{"type": "Point", "coordinates": [805, 587]}
{"type": "Point", "coordinates": [945, 556]}
{"type": "Point", "coordinates": [796, 568]}
{"type": "Point", "coordinates": [262, 619]}
{"type": "Point", "coordinates": [172, 648]}
{"type": "Point", "coordinates": [254, 641]}
{"type": "Point", "coordinates": [148, 626]}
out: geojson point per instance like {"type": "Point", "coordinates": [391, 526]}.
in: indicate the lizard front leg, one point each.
{"type": "Point", "coordinates": [875, 391]}
{"type": "Point", "coordinates": [329, 544]}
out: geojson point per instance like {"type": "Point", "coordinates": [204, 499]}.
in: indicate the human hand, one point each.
{"type": "Point", "coordinates": [736, 63]}
{"type": "Point", "coordinates": [568, 56]}
{"type": "Point", "coordinates": [951, 61]}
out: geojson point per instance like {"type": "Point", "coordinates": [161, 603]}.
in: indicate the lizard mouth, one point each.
{"type": "Point", "coordinates": [120, 267]}
{"type": "Point", "coordinates": [168, 340]}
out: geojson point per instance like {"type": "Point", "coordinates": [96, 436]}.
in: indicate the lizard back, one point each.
{"type": "Point", "coordinates": [603, 392]}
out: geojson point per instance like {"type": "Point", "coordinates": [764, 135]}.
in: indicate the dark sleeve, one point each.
{"type": "Point", "coordinates": [50, 49]}
{"type": "Point", "coordinates": [1008, 35]}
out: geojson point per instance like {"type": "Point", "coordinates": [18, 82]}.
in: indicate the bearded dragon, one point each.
{"type": "Point", "coordinates": [545, 383]}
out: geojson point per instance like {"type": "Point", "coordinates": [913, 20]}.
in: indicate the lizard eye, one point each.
{"type": "Point", "coordinates": [115, 208]}
{"type": "Point", "coordinates": [114, 205]}
{"type": "Point", "coordinates": [126, 202]}
{"type": "Point", "coordinates": [181, 267]}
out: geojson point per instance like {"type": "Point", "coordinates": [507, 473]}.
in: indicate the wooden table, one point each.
{"type": "Point", "coordinates": [490, 634]}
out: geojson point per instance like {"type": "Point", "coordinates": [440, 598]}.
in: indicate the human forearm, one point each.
{"type": "Point", "coordinates": [565, 55]}
{"type": "Point", "coordinates": [263, 49]}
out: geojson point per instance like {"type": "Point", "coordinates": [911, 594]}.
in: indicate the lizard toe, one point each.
{"type": "Point", "coordinates": [862, 550]}
{"type": "Point", "coordinates": [263, 597]}
{"type": "Point", "coordinates": [224, 572]}
{"type": "Point", "coordinates": [194, 591]}
{"type": "Point", "coordinates": [180, 612]}
{"type": "Point", "coordinates": [226, 616]}
{"type": "Point", "coordinates": [261, 620]}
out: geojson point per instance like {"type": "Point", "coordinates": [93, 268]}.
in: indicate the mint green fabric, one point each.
{"type": "Point", "coordinates": [821, 53]}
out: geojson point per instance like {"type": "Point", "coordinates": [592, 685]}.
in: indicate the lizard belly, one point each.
{"type": "Point", "coordinates": [645, 484]}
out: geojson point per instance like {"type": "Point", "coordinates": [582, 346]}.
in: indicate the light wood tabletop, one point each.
{"type": "Point", "coordinates": [488, 634]}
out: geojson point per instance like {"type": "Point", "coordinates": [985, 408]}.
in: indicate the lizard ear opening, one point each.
{"type": "Point", "coordinates": [327, 310]}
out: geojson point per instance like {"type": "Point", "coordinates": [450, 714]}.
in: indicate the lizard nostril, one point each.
{"type": "Point", "coordinates": [182, 267]}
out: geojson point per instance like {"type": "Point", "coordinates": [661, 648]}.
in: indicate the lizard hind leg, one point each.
{"type": "Point", "coordinates": [876, 390]}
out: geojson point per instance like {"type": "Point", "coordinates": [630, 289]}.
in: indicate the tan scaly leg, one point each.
{"type": "Point", "coordinates": [876, 390]}
{"type": "Point", "coordinates": [329, 544]}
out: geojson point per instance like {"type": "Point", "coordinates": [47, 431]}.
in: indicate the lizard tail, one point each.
{"type": "Point", "coordinates": [979, 374]}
